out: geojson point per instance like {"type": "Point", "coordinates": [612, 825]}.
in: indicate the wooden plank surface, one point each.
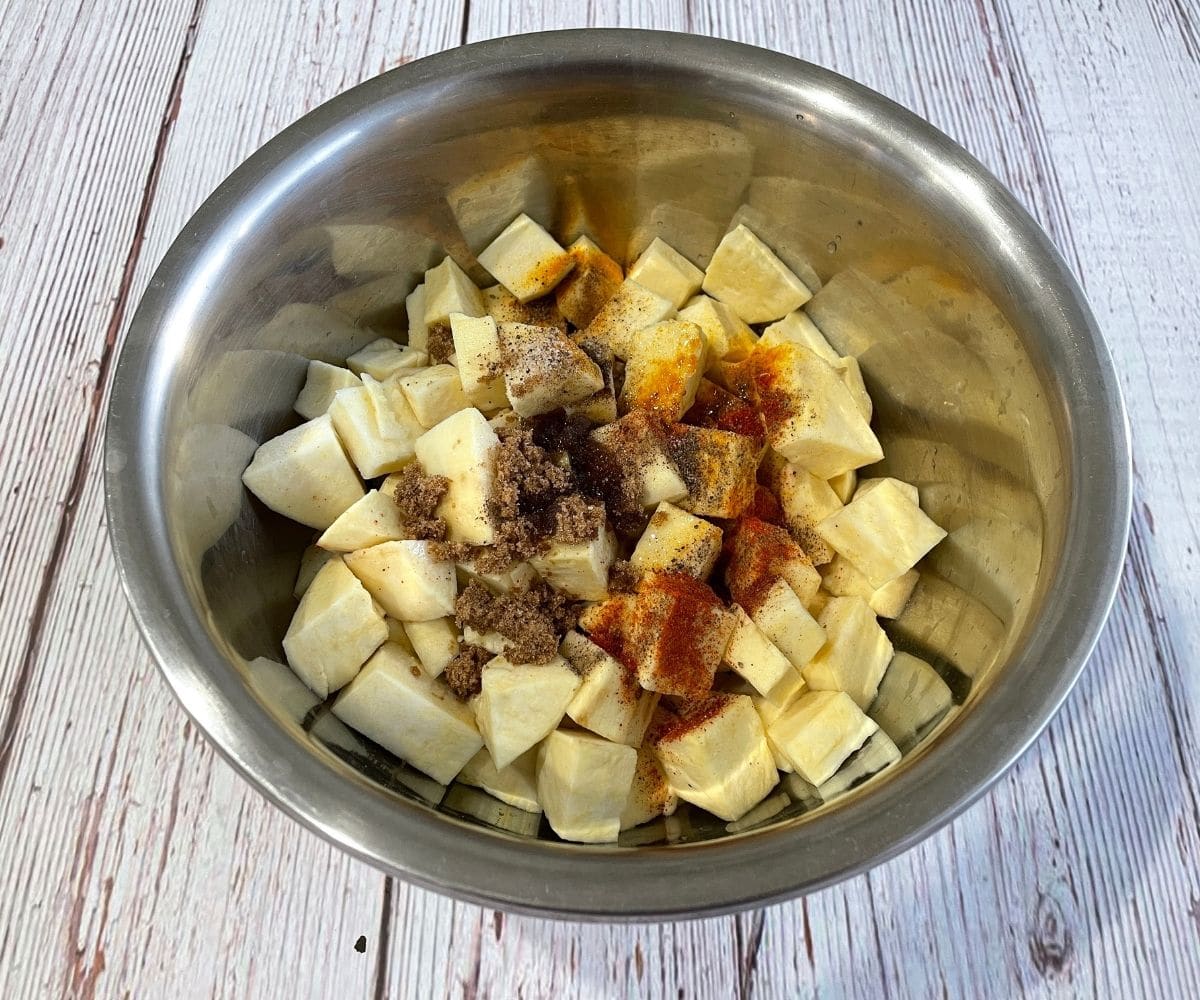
{"type": "Point", "coordinates": [132, 861]}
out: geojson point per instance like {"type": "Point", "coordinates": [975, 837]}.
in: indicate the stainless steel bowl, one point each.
{"type": "Point", "coordinates": [993, 389]}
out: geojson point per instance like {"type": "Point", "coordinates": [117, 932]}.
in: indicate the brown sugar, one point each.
{"type": "Point", "coordinates": [622, 577]}
{"type": "Point", "coordinates": [440, 343]}
{"type": "Point", "coordinates": [532, 618]}
{"type": "Point", "coordinates": [417, 495]}
{"type": "Point", "coordinates": [526, 501]}
{"type": "Point", "coordinates": [464, 672]}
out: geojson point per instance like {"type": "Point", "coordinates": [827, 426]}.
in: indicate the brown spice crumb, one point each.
{"type": "Point", "coordinates": [455, 552]}
{"type": "Point", "coordinates": [440, 343]}
{"type": "Point", "coordinates": [577, 519]}
{"type": "Point", "coordinates": [417, 495]}
{"type": "Point", "coordinates": [534, 500]}
{"type": "Point", "coordinates": [622, 577]}
{"type": "Point", "coordinates": [464, 672]}
{"type": "Point", "coordinates": [531, 618]}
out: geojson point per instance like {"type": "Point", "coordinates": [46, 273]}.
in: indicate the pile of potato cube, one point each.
{"type": "Point", "coordinates": [749, 652]}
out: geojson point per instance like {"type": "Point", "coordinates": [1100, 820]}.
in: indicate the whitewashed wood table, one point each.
{"type": "Point", "coordinates": [133, 862]}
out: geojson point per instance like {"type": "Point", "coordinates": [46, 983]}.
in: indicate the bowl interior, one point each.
{"type": "Point", "coordinates": [309, 250]}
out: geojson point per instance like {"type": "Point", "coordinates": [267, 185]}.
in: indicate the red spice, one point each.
{"type": "Point", "coordinates": [765, 507]}
{"type": "Point", "coordinates": [756, 552]}
{"type": "Point", "coordinates": [682, 628]}
{"type": "Point", "coordinates": [715, 407]}
{"type": "Point", "coordinates": [774, 401]}
{"type": "Point", "coordinates": [690, 716]}
{"type": "Point", "coordinates": [608, 626]}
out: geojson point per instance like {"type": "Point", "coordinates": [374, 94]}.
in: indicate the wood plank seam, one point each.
{"type": "Point", "coordinates": [384, 946]}
{"type": "Point", "coordinates": [91, 437]}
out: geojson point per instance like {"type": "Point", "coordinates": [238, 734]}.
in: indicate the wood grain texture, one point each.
{"type": "Point", "coordinates": [141, 864]}
{"type": "Point", "coordinates": [144, 865]}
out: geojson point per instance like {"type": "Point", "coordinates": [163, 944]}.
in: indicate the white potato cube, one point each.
{"type": "Point", "coordinates": [843, 579]}
{"type": "Point", "coordinates": [377, 426]}
{"type": "Point", "coordinates": [521, 704]}
{"type": "Point", "coordinates": [818, 731]}
{"type": "Point", "coordinates": [418, 329]}
{"type": "Point", "coordinates": [797, 328]}
{"type": "Point", "coordinates": [865, 486]}
{"type": "Point", "coordinates": [583, 785]}
{"type": "Point", "coordinates": [433, 393]}
{"type": "Point", "coordinates": [479, 360]}
{"type": "Point", "coordinates": [335, 628]}
{"type": "Point", "coordinates": [877, 754]}
{"type": "Point", "coordinates": [544, 369]}
{"type": "Point", "coordinates": [855, 655]}
{"type": "Point", "coordinates": [312, 561]}
{"type": "Point", "coordinates": [304, 474]}
{"type": "Point", "coordinates": [526, 259]}
{"type": "Point", "coordinates": [844, 485]}
{"type": "Point", "coordinates": [631, 309]}
{"type": "Point", "coordinates": [666, 363]}
{"type": "Point", "coordinates": [435, 643]}
{"type": "Point", "coordinates": [638, 445]}
{"type": "Point", "coordinates": [609, 702]}
{"type": "Point", "coordinates": [398, 635]}
{"type": "Point", "coordinates": [504, 307]}
{"type": "Point", "coordinates": [882, 532]}
{"type": "Point", "coordinates": [728, 336]}
{"type": "Point", "coordinates": [806, 501]}
{"type": "Point", "coordinates": [715, 755]}
{"type": "Point", "coordinates": [320, 386]}
{"type": "Point", "coordinates": [760, 553]}
{"type": "Point", "coordinates": [812, 418]}
{"type": "Point", "coordinates": [579, 568]}
{"type": "Point", "coordinates": [677, 542]}
{"type": "Point", "coordinates": [406, 580]}
{"type": "Point", "coordinates": [601, 406]}
{"type": "Point", "coordinates": [593, 280]}
{"type": "Point", "coordinates": [745, 273]}
{"type": "Point", "coordinates": [461, 448]}
{"type": "Point", "coordinates": [382, 358]}
{"type": "Point", "coordinates": [666, 272]}
{"type": "Point", "coordinates": [519, 575]}
{"type": "Point", "coordinates": [415, 716]}
{"type": "Point", "coordinates": [492, 641]}
{"type": "Point", "coordinates": [750, 654]}
{"type": "Point", "coordinates": [679, 634]}
{"type": "Point", "coordinates": [850, 373]}
{"type": "Point", "coordinates": [783, 619]}
{"type": "Point", "coordinates": [771, 707]}
{"type": "Point", "coordinates": [650, 795]}
{"type": "Point", "coordinates": [449, 290]}
{"type": "Point", "coordinates": [912, 696]}
{"type": "Point", "coordinates": [515, 785]}
{"type": "Point", "coordinates": [719, 467]}
{"type": "Point", "coordinates": [373, 519]}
